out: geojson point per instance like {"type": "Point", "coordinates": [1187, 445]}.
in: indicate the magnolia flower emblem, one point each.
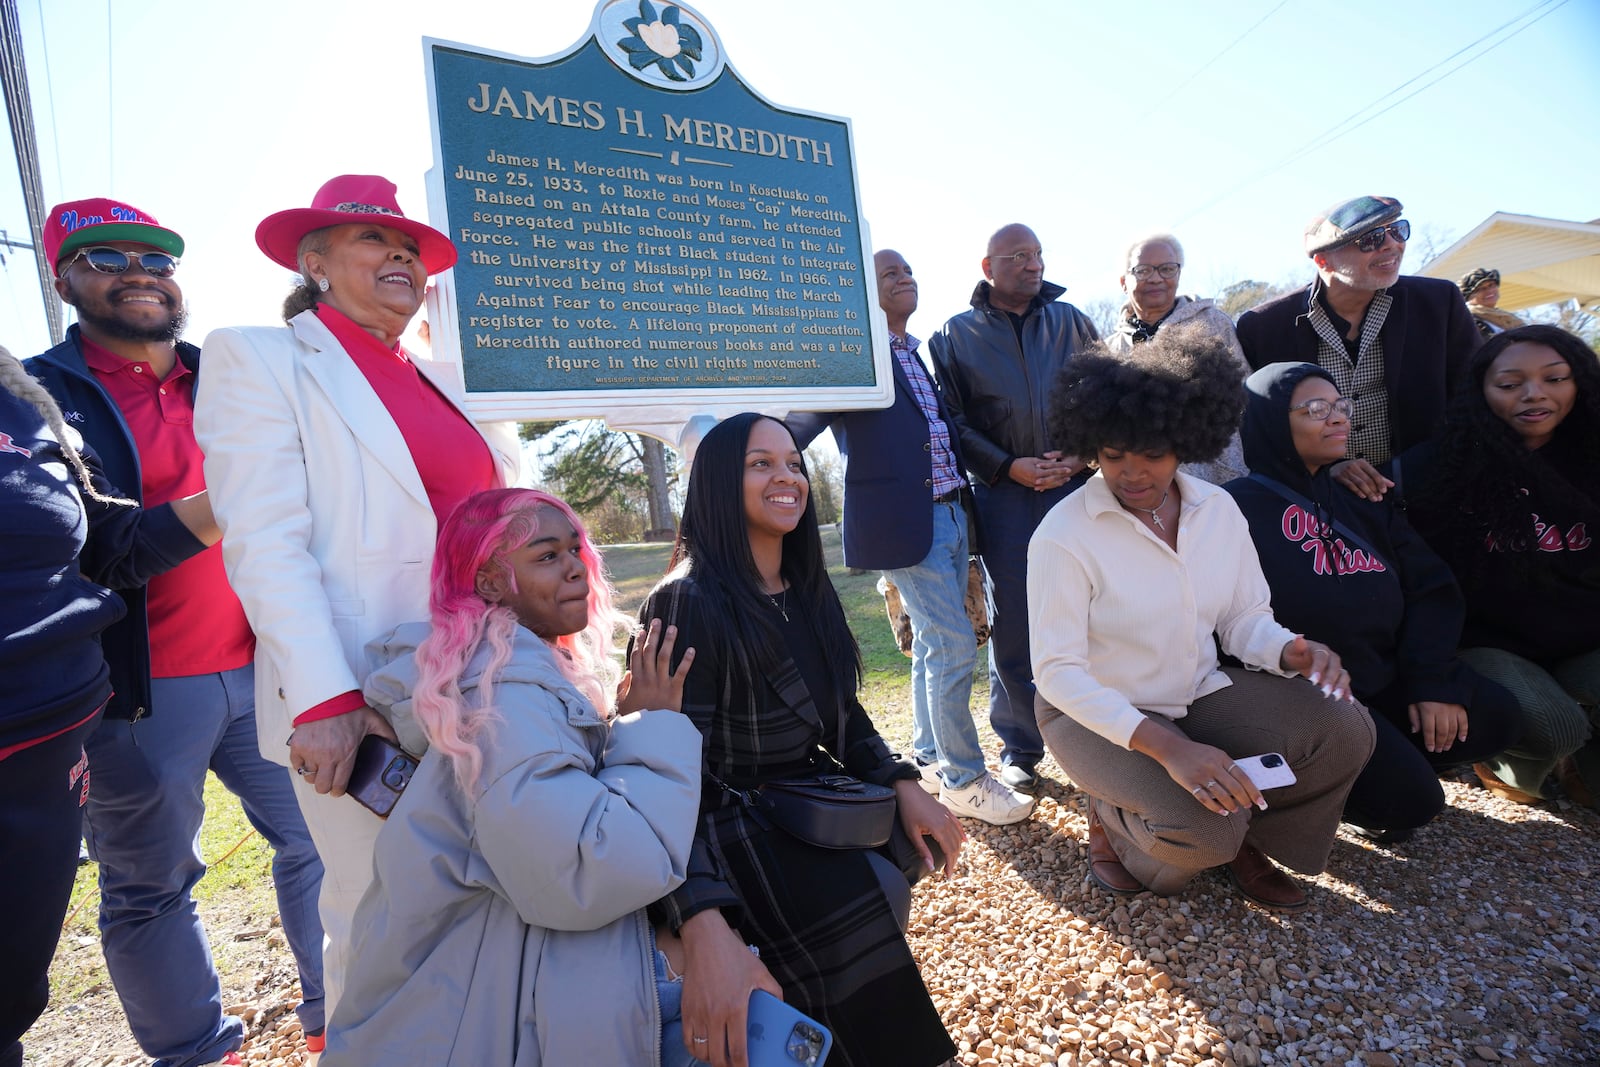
{"type": "Point", "coordinates": [661, 40]}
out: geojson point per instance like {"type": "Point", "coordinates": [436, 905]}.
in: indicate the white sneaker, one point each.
{"type": "Point", "coordinates": [931, 781]}
{"type": "Point", "coordinates": [986, 799]}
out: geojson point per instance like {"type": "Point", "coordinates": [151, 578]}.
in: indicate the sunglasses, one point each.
{"type": "Point", "coordinates": [1373, 239]}
{"type": "Point", "coordinates": [108, 260]}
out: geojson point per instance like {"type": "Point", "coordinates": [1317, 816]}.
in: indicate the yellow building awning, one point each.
{"type": "Point", "coordinates": [1541, 261]}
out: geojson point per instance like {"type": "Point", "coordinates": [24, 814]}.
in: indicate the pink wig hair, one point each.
{"type": "Point", "coordinates": [478, 536]}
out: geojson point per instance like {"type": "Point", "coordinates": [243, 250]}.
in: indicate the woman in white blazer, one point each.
{"type": "Point", "coordinates": [332, 457]}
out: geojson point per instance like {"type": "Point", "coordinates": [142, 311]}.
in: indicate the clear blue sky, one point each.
{"type": "Point", "coordinates": [1093, 123]}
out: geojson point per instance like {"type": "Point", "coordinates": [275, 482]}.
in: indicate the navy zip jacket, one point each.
{"type": "Point", "coordinates": [1381, 598]}
{"type": "Point", "coordinates": [62, 549]}
{"type": "Point", "coordinates": [91, 411]}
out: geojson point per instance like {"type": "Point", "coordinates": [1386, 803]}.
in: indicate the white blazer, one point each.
{"type": "Point", "coordinates": [328, 536]}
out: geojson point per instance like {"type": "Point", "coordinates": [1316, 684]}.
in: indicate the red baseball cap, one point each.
{"type": "Point", "coordinates": [351, 198]}
{"type": "Point", "coordinates": [77, 223]}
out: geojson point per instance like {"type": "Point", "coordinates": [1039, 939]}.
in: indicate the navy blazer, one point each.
{"type": "Point", "coordinates": [888, 475]}
{"type": "Point", "coordinates": [89, 409]}
{"type": "Point", "coordinates": [1427, 337]}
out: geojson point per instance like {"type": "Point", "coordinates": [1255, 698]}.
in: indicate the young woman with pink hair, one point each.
{"type": "Point", "coordinates": [505, 923]}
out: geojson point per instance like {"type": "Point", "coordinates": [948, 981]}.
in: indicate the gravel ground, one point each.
{"type": "Point", "coordinates": [1477, 942]}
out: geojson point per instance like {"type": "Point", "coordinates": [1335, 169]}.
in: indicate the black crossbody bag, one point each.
{"type": "Point", "coordinates": [829, 809]}
{"type": "Point", "coordinates": [1311, 509]}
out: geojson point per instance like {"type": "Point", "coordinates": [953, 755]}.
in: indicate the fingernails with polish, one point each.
{"type": "Point", "coordinates": [1316, 677]}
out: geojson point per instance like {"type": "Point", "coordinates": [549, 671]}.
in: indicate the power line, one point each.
{"type": "Point", "coordinates": [1207, 65]}
{"type": "Point", "coordinates": [1348, 125]}
{"type": "Point", "coordinates": [1330, 136]}
{"type": "Point", "coordinates": [50, 93]}
{"type": "Point", "coordinates": [19, 113]}
{"type": "Point", "coordinates": [111, 101]}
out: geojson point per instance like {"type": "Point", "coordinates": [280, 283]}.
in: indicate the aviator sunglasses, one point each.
{"type": "Point", "coordinates": [1373, 239]}
{"type": "Point", "coordinates": [108, 260]}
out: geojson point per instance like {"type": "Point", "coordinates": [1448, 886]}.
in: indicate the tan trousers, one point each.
{"type": "Point", "coordinates": [1164, 836]}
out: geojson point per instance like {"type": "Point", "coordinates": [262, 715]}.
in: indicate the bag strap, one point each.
{"type": "Point", "coordinates": [1311, 509]}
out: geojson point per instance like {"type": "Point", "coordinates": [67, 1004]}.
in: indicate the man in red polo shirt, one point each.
{"type": "Point", "coordinates": [181, 660]}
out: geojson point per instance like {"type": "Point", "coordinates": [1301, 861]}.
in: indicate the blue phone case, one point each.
{"type": "Point", "coordinates": [777, 1035]}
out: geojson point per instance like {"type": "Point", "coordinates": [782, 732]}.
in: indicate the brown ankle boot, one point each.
{"type": "Point", "coordinates": [1105, 870]}
{"type": "Point", "coordinates": [1264, 883]}
{"type": "Point", "coordinates": [1502, 789]}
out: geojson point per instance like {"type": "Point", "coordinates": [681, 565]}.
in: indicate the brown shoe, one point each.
{"type": "Point", "coordinates": [1105, 870]}
{"type": "Point", "coordinates": [1263, 883]}
{"type": "Point", "coordinates": [1503, 790]}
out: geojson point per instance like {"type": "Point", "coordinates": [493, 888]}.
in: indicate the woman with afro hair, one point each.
{"type": "Point", "coordinates": [1132, 583]}
{"type": "Point", "coordinates": [1509, 495]}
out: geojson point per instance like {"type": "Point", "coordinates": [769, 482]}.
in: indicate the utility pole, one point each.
{"type": "Point", "coordinates": [19, 110]}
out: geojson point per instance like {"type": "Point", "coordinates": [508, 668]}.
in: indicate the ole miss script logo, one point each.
{"type": "Point", "coordinates": [1328, 556]}
{"type": "Point", "coordinates": [1549, 538]}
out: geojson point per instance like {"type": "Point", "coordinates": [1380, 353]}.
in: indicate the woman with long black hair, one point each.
{"type": "Point", "coordinates": [773, 692]}
{"type": "Point", "coordinates": [1509, 495]}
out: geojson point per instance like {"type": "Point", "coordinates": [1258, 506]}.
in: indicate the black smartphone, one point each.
{"type": "Point", "coordinates": [381, 774]}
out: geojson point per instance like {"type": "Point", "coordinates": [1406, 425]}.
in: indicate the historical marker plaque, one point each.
{"type": "Point", "coordinates": [633, 218]}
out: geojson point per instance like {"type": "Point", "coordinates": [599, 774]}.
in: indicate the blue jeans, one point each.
{"type": "Point", "coordinates": [1007, 515]}
{"type": "Point", "coordinates": [670, 993]}
{"type": "Point", "coordinates": [943, 651]}
{"type": "Point", "coordinates": [143, 825]}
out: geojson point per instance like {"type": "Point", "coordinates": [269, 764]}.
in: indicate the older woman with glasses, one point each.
{"type": "Point", "coordinates": [1150, 276]}
{"type": "Point", "coordinates": [1353, 573]}
{"type": "Point", "coordinates": [1129, 578]}
{"type": "Point", "coordinates": [333, 455]}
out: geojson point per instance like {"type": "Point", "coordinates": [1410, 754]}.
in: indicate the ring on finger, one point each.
{"type": "Point", "coordinates": [699, 1040]}
{"type": "Point", "coordinates": [1197, 790]}
{"type": "Point", "coordinates": [1212, 784]}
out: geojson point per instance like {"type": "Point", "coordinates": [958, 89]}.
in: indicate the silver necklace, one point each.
{"type": "Point", "coordinates": [1152, 511]}
{"type": "Point", "coordinates": [783, 608]}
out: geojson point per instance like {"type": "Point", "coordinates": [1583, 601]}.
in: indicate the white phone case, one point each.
{"type": "Point", "coordinates": [1268, 771]}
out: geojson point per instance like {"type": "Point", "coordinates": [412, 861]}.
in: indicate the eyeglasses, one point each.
{"type": "Point", "coordinates": [1373, 239]}
{"type": "Point", "coordinates": [1167, 271]}
{"type": "Point", "coordinates": [108, 260]}
{"type": "Point", "coordinates": [1319, 409]}
{"type": "Point", "coordinates": [1021, 259]}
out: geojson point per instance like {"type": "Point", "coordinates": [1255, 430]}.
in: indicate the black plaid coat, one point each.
{"type": "Point", "coordinates": [818, 916]}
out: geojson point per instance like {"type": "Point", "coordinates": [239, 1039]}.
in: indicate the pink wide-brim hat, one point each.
{"type": "Point", "coordinates": [351, 198]}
